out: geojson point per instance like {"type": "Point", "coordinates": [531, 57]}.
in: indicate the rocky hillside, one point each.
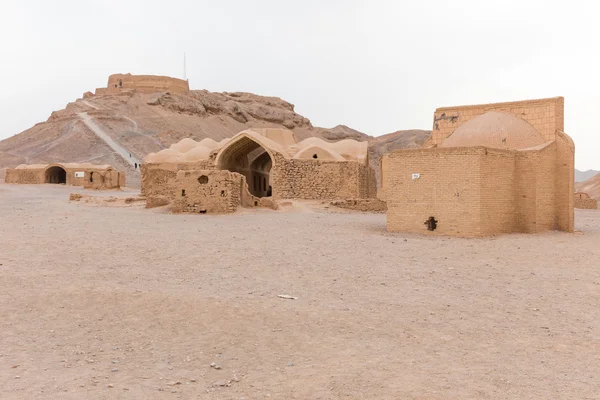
{"type": "Point", "coordinates": [142, 123]}
{"type": "Point", "coordinates": [591, 187]}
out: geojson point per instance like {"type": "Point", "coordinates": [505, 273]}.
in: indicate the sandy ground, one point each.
{"type": "Point", "coordinates": [126, 303]}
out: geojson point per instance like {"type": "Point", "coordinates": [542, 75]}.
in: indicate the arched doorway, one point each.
{"type": "Point", "coordinates": [56, 175]}
{"type": "Point", "coordinates": [247, 157]}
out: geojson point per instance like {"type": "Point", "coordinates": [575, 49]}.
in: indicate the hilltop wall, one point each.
{"type": "Point", "coordinates": [144, 84]}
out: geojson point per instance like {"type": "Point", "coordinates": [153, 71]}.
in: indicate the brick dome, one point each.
{"type": "Point", "coordinates": [496, 130]}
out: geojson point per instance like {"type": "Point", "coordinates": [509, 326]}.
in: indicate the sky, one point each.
{"type": "Point", "coordinates": [377, 66]}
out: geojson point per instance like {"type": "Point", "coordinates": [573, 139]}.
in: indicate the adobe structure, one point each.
{"type": "Point", "coordinates": [583, 200]}
{"type": "Point", "coordinates": [87, 175]}
{"type": "Point", "coordinates": [256, 167]}
{"type": "Point", "coordinates": [118, 83]}
{"type": "Point", "coordinates": [489, 169]}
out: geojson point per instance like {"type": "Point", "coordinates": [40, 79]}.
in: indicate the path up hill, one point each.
{"type": "Point", "coordinates": [120, 129]}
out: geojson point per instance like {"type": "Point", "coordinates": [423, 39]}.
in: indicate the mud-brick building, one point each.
{"type": "Point", "coordinates": [273, 163]}
{"type": "Point", "coordinates": [76, 174]}
{"type": "Point", "coordinates": [584, 201]}
{"type": "Point", "coordinates": [488, 169]}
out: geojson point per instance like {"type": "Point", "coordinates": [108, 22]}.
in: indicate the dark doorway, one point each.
{"type": "Point", "coordinates": [56, 175]}
{"type": "Point", "coordinates": [250, 159]}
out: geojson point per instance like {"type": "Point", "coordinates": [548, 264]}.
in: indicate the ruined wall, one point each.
{"type": "Point", "coordinates": [159, 180]}
{"type": "Point", "coordinates": [315, 179]}
{"type": "Point", "coordinates": [366, 205]}
{"type": "Point", "coordinates": [447, 188]}
{"type": "Point", "coordinates": [103, 179]}
{"type": "Point", "coordinates": [24, 176]}
{"type": "Point", "coordinates": [208, 191]}
{"type": "Point", "coordinates": [583, 200]}
{"type": "Point", "coordinates": [545, 115]}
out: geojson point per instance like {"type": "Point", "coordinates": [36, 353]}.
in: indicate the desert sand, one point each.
{"type": "Point", "coordinates": [107, 302]}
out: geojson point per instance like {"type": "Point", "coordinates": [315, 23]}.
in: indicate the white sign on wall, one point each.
{"type": "Point", "coordinates": [79, 174]}
{"type": "Point", "coordinates": [416, 176]}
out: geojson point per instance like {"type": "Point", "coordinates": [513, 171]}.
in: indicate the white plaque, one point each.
{"type": "Point", "coordinates": [79, 174]}
{"type": "Point", "coordinates": [416, 176]}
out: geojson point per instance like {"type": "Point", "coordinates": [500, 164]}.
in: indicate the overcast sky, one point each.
{"type": "Point", "coordinates": [376, 66]}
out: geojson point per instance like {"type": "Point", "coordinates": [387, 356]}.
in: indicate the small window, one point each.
{"type": "Point", "coordinates": [203, 180]}
{"type": "Point", "coordinates": [315, 156]}
{"type": "Point", "coordinates": [91, 177]}
{"type": "Point", "coordinates": [182, 192]}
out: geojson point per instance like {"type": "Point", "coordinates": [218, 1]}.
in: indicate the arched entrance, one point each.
{"type": "Point", "coordinates": [247, 157]}
{"type": "Point", "coordinates": [56, 175]}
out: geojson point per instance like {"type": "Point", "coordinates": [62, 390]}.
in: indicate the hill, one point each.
{"type": "Point", "coordinates": [581, 176]}
{"type": "Point", "coordinates": [591, 187]}
{"type": "Point", "coordinates": [121, 128]}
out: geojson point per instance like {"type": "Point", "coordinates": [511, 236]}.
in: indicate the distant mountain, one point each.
{"type": "Point", "coordinates": [591, 187]}
{"type": "Point", "coordinates": [581, 176]}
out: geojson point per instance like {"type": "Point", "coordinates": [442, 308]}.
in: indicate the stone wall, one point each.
{"type": "Point", "coordinates": [545, 115]}
{"type": "Point", "coordinates": [583, 200]}
{"type": "Point", "coordinates": [322, 180]}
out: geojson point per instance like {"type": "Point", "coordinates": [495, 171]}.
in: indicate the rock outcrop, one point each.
{"type": "Point", "coordinates": [143, 123]}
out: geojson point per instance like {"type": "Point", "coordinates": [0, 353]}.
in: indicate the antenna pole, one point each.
{"type": "Point", "coordinates": [184, 68]}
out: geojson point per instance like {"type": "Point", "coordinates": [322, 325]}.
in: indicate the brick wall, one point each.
{"type": "Point", "coordinates": [475, 191]}
{"type": "Point", "coordinates": [565, 182]}
{"type": "Point", "coordinates": [546, 115]}
{"type": "Point", "coordinates": [497, 191]}
{"type": "Point", "coordinates": [448, 189]}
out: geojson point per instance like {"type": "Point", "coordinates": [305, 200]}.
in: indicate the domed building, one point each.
{"type": "Point", "coordinates": [256, 167]}
{"type": "Point", "coordinates": [488, 169]}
